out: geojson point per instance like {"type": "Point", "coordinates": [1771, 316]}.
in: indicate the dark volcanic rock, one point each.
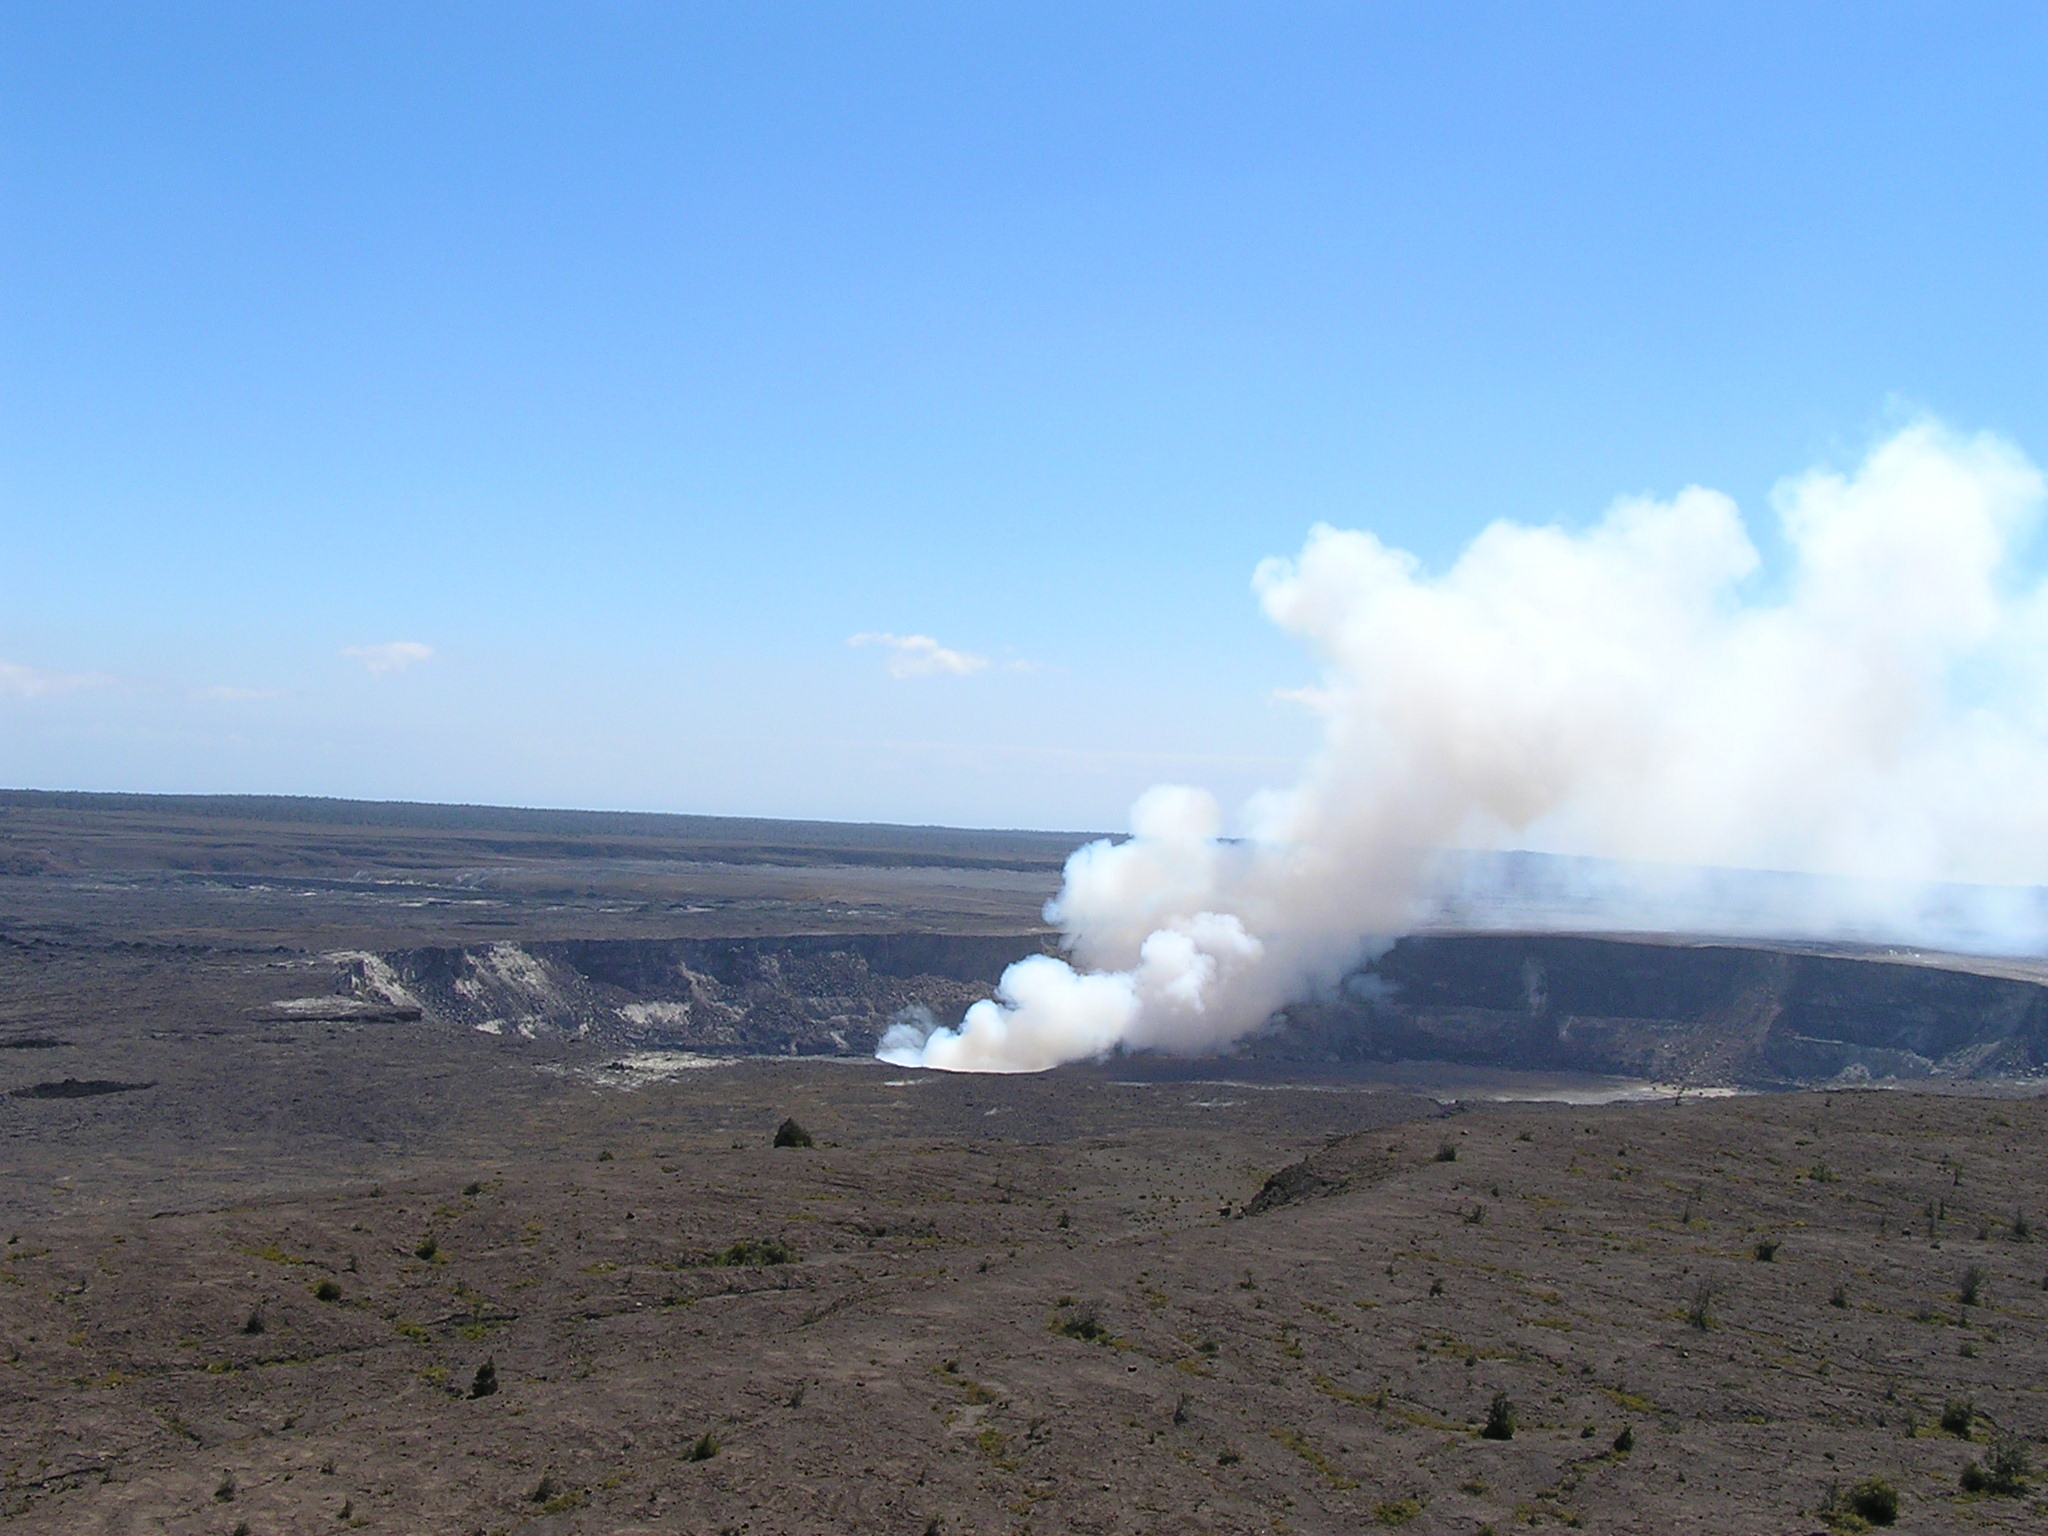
{"type": "Point", "coordinates": [1297, 1181]}
{"type": "Point", "coordinates": [1697, 1012]}
{"type": "Point", "coordinates": [78, 1088]}
{"type": "Point", "coordinates": [337, 1010]}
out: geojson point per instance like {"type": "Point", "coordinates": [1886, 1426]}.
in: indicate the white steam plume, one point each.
{"type": "Point", "coordinates": [1624, 693]}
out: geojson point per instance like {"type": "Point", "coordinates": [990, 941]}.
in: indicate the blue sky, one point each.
{"type": "Point", "coordinates": [630, 359]}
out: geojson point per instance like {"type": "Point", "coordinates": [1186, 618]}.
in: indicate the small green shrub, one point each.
{"type": "Point", "coordinates": [553, 1498]}
{"type": "Point", "coordinates": [1446, 1152]}
{"type": "Point", "coordinates": [2009, 1465]}
{"type": "Point", "coordinates": [2004, 1472]}
{"type": "Point", "coordinates": [790, 1134]}
{"type": "Point", "coordinates": [1500, 1419]}
{"type": "Point", "coordinates": [327, 1290]}
{"type": "Point", "coordinates": [485, 1381]}
{"type": "Point", "coordinates": [1625, 1441]}
{"type": "Point", "coordinates": [1080, 1322]}
{"type": "Point", "coordinates": [762, 1251]}
{"type": "Point", "coordinates": [429, 1248]}
{"type": "Point", "coordinates": [1956, 1418]}
{"type": "Point", "coordinates": [1874, 1500]}
{"type": "Point", "coordinates": [1971, 1290]}
{"type": "Point", "coordinates": [1699, 1309]}
{"type": "Point", "coordinates": [704, 1449]}
{"type": "Point", "coordinates": [1839, 1296]}
{"type": "Point", "coordinates": [472, 1189]}
{"type": "Point", "coordinates": [1766, 1249]}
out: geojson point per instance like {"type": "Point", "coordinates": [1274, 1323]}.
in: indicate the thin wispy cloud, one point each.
{"type": "Point", "coordinates": [223, 693]}
{"type": "Point", "coordinates": [20, 682]}
{"type": "Point", "coordinates": [391, 656]}
{"type": "Point", "coordinates": [922, 656]}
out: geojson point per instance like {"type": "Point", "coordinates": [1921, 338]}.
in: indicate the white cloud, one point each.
{"type": "Point", "coordinates": [922, 656]}
{"type": "Point", "coordinates": [19, 682]}
{"type": "Point", "coordinates": [391, 656]}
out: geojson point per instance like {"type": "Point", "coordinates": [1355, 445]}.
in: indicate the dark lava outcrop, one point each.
{"type": "Point", "coordinates": [78, 1088]}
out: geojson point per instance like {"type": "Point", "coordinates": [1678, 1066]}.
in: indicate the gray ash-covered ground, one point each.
{"type": "Point", "coordinates": [255, 1288]}
{"type": "Point", "coordinates": [1000, 1304]}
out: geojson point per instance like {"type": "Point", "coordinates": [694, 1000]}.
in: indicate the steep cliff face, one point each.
{"type": "Point", "coordinates": [1675, 1012]}
{"type": "Point", "coordinates": [1704, 1013]}
{"type": "Point", "coordinates": [806, 995]}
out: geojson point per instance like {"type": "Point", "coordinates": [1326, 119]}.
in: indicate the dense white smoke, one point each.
{"type": "Point", "coordinates": [1630, 692]}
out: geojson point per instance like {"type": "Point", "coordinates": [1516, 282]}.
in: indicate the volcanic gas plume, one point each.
{"type": "Point", "coordinates": [1638, 691]}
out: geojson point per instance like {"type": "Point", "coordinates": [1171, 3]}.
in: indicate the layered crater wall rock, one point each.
{"type": "Point", "coordinates": [805, 995]}
{"type": "Point", "coordinates": [1698, 1013]}
{"type": "Point", "coordinates": [1670, 1011]}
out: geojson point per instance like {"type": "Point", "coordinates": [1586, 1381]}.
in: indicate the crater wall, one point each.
{"type": "Point", "coordinates": [1701, 1012]}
